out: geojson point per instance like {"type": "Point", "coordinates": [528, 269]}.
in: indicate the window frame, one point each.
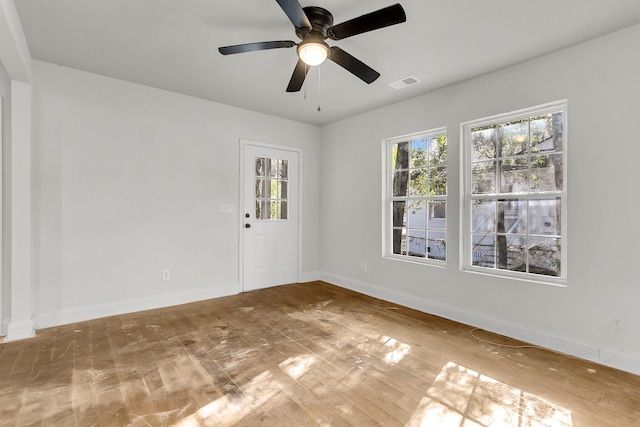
{"type": "Point", "coordinates": [388, 199]}
{"type": "Point", "coordinates": [466, 196]}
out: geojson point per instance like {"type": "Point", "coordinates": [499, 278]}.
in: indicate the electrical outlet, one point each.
{"type": "Point", "coordinates": [364, 266]}
{"type": "Point", "coordinates": [166, 274]}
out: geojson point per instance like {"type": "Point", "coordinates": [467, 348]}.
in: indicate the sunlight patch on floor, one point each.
{"type": "Point", "coordinates": [398, 350]}
{"type": "Point", "coordinates": [297, 366]}
{"type": "Point", "coordinates": [391, 351]}
{"type": "Point", "coordinates": [224, 411]}
{"type": "Point", "coordinates": [461, 397]}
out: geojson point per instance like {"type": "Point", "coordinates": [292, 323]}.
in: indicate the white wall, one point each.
{"type": "Point", "coordinates": [17, 316]}
{"type": "Point", "coordinates": [127, 182]}
{"type": "Point", "coordinates": [600, 80]}
{"type": "Point", "coordinates": [5, 138]}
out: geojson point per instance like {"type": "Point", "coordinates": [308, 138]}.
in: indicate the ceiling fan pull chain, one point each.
{"type": "Point", "coordinates": [306, 70]}
{"type": "Point", "coordinates": [319, 109]}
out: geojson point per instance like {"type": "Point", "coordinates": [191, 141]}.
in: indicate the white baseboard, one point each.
{"type": "Point", "coordinates": [604, 356]}
{"type": "Point", "coordinates": [4, 327]}
{"type": "Point", "coordinates": [79, 314]}
{"type": "Point", "coordinates": [617, 359]}
{"type": "Point", "coordinates": [20, 330]}
{"type": "Point", "coordinates": [309, 276]}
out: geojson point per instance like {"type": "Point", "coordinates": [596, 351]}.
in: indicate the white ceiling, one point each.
{"type": "Point", "coordinates": [172, 45]}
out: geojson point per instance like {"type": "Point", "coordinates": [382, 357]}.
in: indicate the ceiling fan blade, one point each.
{"type": "Point", "coordinates": [250, 47]}
{"type": "Point", "coordinates": [297, 79]}
{"type": "Point", "coordinates": [353, 65]}
{"type": "Point", "coordinates": [390, 15]}
{"type": "Point", "coordinates": [295, 13]}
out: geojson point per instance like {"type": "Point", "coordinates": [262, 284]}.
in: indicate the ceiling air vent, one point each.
{"type": "Point", "coordinates": [402, 83]}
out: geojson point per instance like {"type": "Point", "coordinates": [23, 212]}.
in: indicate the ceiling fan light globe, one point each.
{"type": "Point", "coordinates": [312, 53]}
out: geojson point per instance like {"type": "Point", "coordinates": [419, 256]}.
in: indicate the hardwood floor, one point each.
{"type": "Point", "coordinates": [299, 355]}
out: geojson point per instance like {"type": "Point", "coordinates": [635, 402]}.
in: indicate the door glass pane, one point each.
{"type": "Point", "coordinates": [261, 167]}
{"type": "Point", "coordinates": [283, 189]}
{"type": "Point", "coordinates": [261, 189]}
{"type": "Point", "coordinates": [273, 209]}
{"type": "Point", "coordinates": [267, 167]}
{"type": "Point", "coordinates": [283, 169]}
{"type": "Point", "coordinates": [262, 209]}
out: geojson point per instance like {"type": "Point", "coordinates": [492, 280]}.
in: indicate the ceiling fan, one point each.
{"type": "Point", "coordinates": [313, 26]}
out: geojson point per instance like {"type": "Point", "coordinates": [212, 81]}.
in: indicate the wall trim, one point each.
{"type": "Point", "coordinates": [619, 360]}
{"type": "Point", "coordinates": [309, 276]}
{"type": "Point", "coordinates": [20, 330]}
{"type": "Point", "coordinates": [4, 323]}
{"type": "Point", "coordinates": [609, 357]}
{"type": "Point", "coordinates": [96, 311]}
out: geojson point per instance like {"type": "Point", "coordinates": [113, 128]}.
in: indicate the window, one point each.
{"type": "Point", "coordinates": [271, 189]}
{"type": "Point", "coordinates": [416, 199]}
{"type": "Point", "coordinates": [515, 197]}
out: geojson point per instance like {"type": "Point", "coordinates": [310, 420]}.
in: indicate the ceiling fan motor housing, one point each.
{"type": "Point", "coordinates": [321, 20]}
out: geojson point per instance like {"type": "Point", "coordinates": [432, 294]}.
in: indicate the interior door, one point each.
{"type": "Point", "coordinates": [270, 217]}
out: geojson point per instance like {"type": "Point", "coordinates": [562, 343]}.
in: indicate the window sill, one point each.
{"type": "Point", "coordinates": [522, 277]}
{"type": "Point", "coordinates": [417, 260]}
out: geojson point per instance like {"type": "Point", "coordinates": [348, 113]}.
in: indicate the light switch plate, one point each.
{"type": "Point", "coordinates": [227, 208]}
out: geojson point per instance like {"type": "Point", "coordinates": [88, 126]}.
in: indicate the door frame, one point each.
{"type": "Point", "coordinates": [241, 210]}
{"type": "Point", "coordinates": [4, 323]}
